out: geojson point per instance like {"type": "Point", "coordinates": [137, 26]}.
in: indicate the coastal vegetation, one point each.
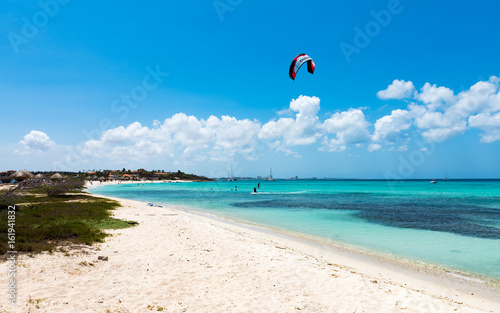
{"type": "Point", "coordinates": [51, 216]}
{"type": "Point", "coordinates": [140, 174]}
{"type": "Point", "coordinates": [102, 175]}
{"type": "Point", "coordinates": [50, 210]}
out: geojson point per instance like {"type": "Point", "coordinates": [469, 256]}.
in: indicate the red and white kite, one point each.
{"type": "Point", "coordinates": [297, 63]}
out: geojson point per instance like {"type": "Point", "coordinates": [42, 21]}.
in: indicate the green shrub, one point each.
{"type": "Point", "coordinates": [44, 223]}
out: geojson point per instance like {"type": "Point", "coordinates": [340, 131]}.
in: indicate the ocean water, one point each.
{"type": "Point", "coordinates": [454, 224]}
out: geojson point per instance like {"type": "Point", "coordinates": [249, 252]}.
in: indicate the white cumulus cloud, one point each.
{"type": "Point", "coordinates": [442, 134]}
{"type": "Point", "coordinates": [489, 123]}
{"type": "Point", "coordinates": [482, 97]}
{"type": "Point", "coordinates": [399, 89]}
{"type": "Point", "coordinates": [374, 147]}
{"type": "Point", "coordinates": [134, 141]}
{"type": "Point", "coordinates": [389, 128]}
{"type": "Point", "coordinates": [435, 97]}
{"type": "Point", "coordinates": [303, 130]}
{"type": "Point", "coordinates": [430, 119]}
{"type": "Point", "coordinates": [434, 113]}
{"type": "Point", "coordinates": [38, 141]}
{"type": "Point", "coordinates": [350, 127]}
{"type": "Point", "coordinates": [442, 115]}
{"type": "Point", "coordinates": [197, 139]}
{"type": "Point", "coordinates": [234, 136]}
{"type": "Point", "coordinates": [189, 132]}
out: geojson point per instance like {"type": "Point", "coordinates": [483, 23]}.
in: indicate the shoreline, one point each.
{"type": "Point", "coordinates": [383, 258]}
{"type": "Point", "coordinates": [91, 185]}
{"type": "Point", "coordinates": [378, 263]}
{"type": "Point", "coordinates": [363, 254]}
{"type": "Point", "coordinates": [434, 271]}
{"type": "Point", "coordinates": [431, 279]}
{"type": "Point", "coordinates": [183, 262]}
{"type": "Point", "coordinates": [374, 264]}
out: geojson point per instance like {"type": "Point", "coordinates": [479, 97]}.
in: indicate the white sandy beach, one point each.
{"type": "Point", "coordinates": [180, 262]}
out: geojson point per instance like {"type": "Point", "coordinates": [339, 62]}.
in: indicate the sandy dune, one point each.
{"type": "Point", "coordinates": [180, 262]}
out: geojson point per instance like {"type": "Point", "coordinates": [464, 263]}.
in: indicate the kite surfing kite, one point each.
{"type": "Point", "coordinates": [297, 63]}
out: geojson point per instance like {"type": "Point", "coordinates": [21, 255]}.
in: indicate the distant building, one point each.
{"type": "Point", "coordinates": [162, 175]}
{"type": "Point", "coordinates": [129, 177]}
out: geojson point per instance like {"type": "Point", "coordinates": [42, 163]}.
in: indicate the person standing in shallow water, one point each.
{"type": "Point", "coordinates": [254, 189]}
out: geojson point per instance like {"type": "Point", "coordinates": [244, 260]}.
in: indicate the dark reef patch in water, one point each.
{"type": "Point", "coordinates": [463, 220]}
{"type": "Point", "coordinates": [434, 214]}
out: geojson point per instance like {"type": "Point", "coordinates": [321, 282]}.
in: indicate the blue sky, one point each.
{"type": "Point", "coordinates": [404, 89]}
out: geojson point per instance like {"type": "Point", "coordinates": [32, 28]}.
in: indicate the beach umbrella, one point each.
{"type": "Point", "coordinates": [24, 174]}
{"type": "Point", "coordinates": [40, 176]}
{"type": "Point", "coordinates": [56, 176]}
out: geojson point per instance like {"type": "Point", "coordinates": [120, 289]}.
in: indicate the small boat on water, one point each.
{"type": "Point", "coordinates": [270, 178]}
{"type": "Point", "coordinates": [433, 181]}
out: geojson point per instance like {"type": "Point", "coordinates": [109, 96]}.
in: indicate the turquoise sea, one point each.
{"type": "Point", "coordinates": [452, 224]}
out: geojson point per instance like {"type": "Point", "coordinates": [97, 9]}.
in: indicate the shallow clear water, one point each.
{"type": "Point", "coordinates": [452, 223]}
